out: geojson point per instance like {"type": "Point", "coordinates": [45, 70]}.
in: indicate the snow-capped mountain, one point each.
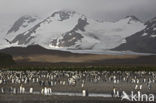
{"type": "Point", "coordinates": [21, 25]}
{"type": "Point", "coordinates": [142, 41]}
{"type": "Point", "coordinates": [67, 29]}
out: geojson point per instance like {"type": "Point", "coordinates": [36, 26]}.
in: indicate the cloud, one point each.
{"type": "Point", "coordinates": [104, 8]}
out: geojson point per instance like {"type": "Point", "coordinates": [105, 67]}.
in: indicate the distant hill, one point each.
{"type": "Point", "coordinates": [6, 59]}
{"type": "Point", "coordinates": [39, 55]}
{"type": "Point", "coordinates": [34, 50]}
{"type": "Point", "coordinates": [36, 53]}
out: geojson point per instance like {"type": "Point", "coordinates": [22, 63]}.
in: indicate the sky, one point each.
{"type": "Point", "coordinates": [107, 10]}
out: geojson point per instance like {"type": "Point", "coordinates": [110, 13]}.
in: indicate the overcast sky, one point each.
{"type": "Point", "coordinates": [99, 9]}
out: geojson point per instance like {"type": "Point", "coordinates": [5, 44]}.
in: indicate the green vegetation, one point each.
{"type": "Point", "coordinates": [6, 60]}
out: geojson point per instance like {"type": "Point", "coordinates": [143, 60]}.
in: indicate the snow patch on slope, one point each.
{"type": "Point", "coordinates": [153, 36]}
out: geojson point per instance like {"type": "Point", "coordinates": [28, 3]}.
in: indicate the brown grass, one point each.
{"type": "Point", "coordinates": [73, 59]}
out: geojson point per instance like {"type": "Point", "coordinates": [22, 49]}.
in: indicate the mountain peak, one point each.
{"type": "Point", "coordinates": [63, 14]}
{"type": "Point", "coordinates": [132, 18]}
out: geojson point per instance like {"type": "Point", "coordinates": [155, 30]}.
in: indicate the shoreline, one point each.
{"type": "Point", "coordinates": [54, 99]}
